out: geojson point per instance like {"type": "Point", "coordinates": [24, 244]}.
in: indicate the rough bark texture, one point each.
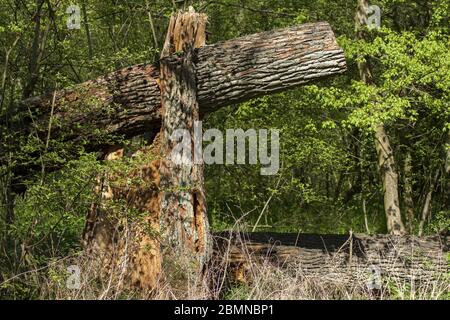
{"type": "Point", "coordinates": [184, 224]}
{"type": "Point", "coordinates": [127, 101]}
{"type": "Point", "coordinates": [426, 209]}
{"type": "Point", "coordinates": [408, 192]}
{"type": "Point", "coordinates": [389, 177]}
{"type": "Point", "coordinates": [346, 258]}
{"type": "Point", "coordinates": [386, 161]}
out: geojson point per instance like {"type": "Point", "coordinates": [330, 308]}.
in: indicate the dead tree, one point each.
{"type": "Point", "coordinates": [190, 79]}
{"type": "Point", "coordinates": [183, 219]}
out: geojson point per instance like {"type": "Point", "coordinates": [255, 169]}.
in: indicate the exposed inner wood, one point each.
{"type": "Point", "coordinates": [184, 224]}
{"type": "Point", "coordinates": [120, 244]}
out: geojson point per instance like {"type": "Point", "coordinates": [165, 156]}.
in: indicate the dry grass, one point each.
{"type": "Point", "coordinates": [258, 279]}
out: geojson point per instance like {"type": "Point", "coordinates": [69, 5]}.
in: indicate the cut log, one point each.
{"type": "Point", "coordinates": [127, 102]}
{"type": "Point", "coordinates": [341, 257]}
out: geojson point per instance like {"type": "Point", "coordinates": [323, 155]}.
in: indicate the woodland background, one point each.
{"type": "Point", "coordinates": [329, 181]}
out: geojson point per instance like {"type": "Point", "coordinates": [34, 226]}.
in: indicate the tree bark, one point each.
{"type": "Point", "coordinates": [408, 192]}
{"type": "Point", "coordinates": [389, 176]}
{"type": "Point", "coordinates": [127, 102]}
{"type": "Point", "coordinates": [386, 161]}
{"type": "Point", "coordinates": [447, 154]}
{"type": "Point", "coordinates": [184, 223]}
{"type": "Point", "coordinates": [176, 218]}
{"type": "Point", "coordinates": [426, 210]}
{"type": "Point", "coordinates": [119, 242]}
{"type": "Point", "coordinates": [346, 258]}
{"type": "Point", "coordinates": [37, 50]}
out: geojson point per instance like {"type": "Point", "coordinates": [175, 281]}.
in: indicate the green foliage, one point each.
{"type": "Point", "coordinates": [50, 216]}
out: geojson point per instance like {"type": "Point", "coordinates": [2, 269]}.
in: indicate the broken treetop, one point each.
{"type": "Point", "coordinates": [127, 101]}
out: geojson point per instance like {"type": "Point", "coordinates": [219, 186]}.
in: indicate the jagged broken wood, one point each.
{"type": "Point", "coordinates": [127, 102]}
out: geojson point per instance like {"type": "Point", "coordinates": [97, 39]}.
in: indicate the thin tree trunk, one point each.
{"type": "Point", "coordinates": [5, 73]}
{"type": "Point", "coordinates": [37, 49]}
{"type": "Point", "coordinates": [87, 30]}
{"type": "Point", "coordinates": [366, 220]}
{"type": "Point", "coordinates": [386, 161]}
{"type": "Point", "coordinates": [408, 192]}
{"type": "Point", "coordinates": [8, 196]}
{"type": "Point", "coordinates": [152, 27]}
{"type": "Point", "coordinates": [426, 210]}
{"type": "Point", "coordinates": [447, 152]}
{"type": "Point", "coordinates": [389, 175]}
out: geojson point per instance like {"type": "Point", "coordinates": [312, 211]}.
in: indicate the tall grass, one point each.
{"type": "Point", "coordinates": [254, 279]}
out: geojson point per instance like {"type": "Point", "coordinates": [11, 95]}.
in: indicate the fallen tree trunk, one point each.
{"type": "Point", "coordinates": [127, 102]}
{"type": "Point", "coordinates": [340, 257]}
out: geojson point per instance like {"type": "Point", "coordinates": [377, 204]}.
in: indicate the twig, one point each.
{"type": "Point", "coordinates": [266, 204]}
{"type": "Point", "coordinates": [47, 142]}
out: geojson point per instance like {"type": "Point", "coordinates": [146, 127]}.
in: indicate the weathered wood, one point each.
{"type": "Point", "coordinates": [175, 227]}
{"type": "Point", "coordinates": [184, 224]}
{"type": "Point", "coordinates": [127, 102]}
{"type": "Point", "coordinates": [341, 257]}
{"type": "Point", "coordinates": [117, 244]}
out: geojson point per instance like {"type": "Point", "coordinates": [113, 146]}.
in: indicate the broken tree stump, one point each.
{"type": "Point", "coordinates": [183, 219]}
{"type": "Point", "coordinates": [121, 234]}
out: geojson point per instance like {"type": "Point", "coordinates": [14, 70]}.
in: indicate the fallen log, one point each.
{"type": "Point", "coordinates": [127, 102]}
{"type": "Point", "coordinates": [341, 258]}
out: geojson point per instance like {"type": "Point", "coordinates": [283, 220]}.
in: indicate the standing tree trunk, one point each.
{"type": "Point", "coordinates": [386, 161]}
{"type": "Point", "coordinates": [184, 224]}
{"type": "Point", "coordinates": [122, 227]}
{"type": "Point", "coordinates": [427, 204]}
{"type": "Point", "coordinates": [389, 175]}
{"type": "Point", "coordinates": [87, 30]}
{"type": "Point", "coordinates": [447, 152]}
{"type": "Point", "coordinates": [37, 50]}
{"type": "Point", "coordinates": [408, 192]}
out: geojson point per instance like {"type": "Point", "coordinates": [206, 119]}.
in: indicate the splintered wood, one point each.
{"type": "Point", "coordinates": [184, 223]}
